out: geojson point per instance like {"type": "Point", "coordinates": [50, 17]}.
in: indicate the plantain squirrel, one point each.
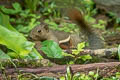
{"type": "Point", "coordinates": [42, 32]}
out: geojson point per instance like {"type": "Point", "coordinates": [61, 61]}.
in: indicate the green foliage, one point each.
{"type": "Point", "coordinates": [14, 40]}
{"type": "Point", "coordinates": [29, 25]}
{"type": "Point", "coordinates": [16, 6]}
{"type": "Point", "coordinates": [34, 54]}
{"type": "Point", "coordinates": [79, 76]}
{"type": "Point", "coordinates": [77, 51]}
{"type": "Point", "coordinates": [111, 14]}
{"type": "Point", "coordinates": [48, 8]}
{"type": "Point", "coordinates": [88, 7]}
{"type": "Point", "coordinates": [89, 19]}
{"type": "Point", "coordinates": [67, 27]}
{"type": "Point", "coordinates": [4, 21]}
{"type": "Point", "coordinates": [80, 47]}
{"type": "Point", "coordinates": [116, 18]}
{"type": "Point", "coordinates": [24, 21]}
{"type": "Point", "coordinates": [51, 49]}
{"type": "Point", "coordinates": [76, 54]}
{"type": "Point", "coordinates": [118, 75]}
{"type": "Point", "coordinates": [13, 55]}
{"type": "Point", "coordinates": [10, 38]}
{"type": "Point", "coordinates": [3, 55]}
{"type": "Point", "coordinates": [100, 25]}
{"type": "Point", "coordinates": [32, 4]}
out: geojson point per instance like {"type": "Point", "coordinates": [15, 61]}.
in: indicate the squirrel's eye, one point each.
{"type": "Point", "coordinates": [39, 31]}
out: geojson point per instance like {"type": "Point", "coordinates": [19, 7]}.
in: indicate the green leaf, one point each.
{"type": "Point", "coordinates": [80, 46]}
{"type": "Point", "coordinates": [27, 29]}
{"type": "Point", "coordinates": [76, 52]}
{"type": "Point", "coordinates": [4, 21]}
{"type": "Point", "coordinates": [85, 57]}
{"type": "Point", "coordinates": [118, 20]}
{"type": "Point", "coordinates": [51, 49]}
{"type": "Point", "coordinates": [76, 77]}
{"type": "Point", "coordinates": [15, 41]}
{"type": "Point", "coordinates": [112, 14]}
{"type": "Point", "coordinates": [3, 55]}
{"type": "Point", "coordinates": [13, 55]}
{"type": "Point", "coordinates": [35, 55]}
{"type": "Point", "coordinates": [16, 6]}
{"type": "Point", "coordinates": [66, 54]}
{"type": "Point", "coordinates": [101, 22]}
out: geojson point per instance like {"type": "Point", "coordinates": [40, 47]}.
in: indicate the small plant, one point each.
{"type": "Point", "coordinates": [76, 54]}
{"type": "Point", "coordinates": [77, 51]}
{"type": "Point", "coordinates": [90, 76]}
{"type": "Point", "coordinates": [79, 76]}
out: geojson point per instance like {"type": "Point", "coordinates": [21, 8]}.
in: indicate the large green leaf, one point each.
{"type": "Point", "coordinates": [51, 49]}
{"type": "Point", "coordinates": [15, 41]}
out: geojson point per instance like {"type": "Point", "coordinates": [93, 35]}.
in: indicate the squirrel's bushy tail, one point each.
{"type": "Point", "coordinates": [95, 42]}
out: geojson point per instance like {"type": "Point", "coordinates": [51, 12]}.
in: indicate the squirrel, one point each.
{"type": "Point", "coordinates": [42, 33]}
{"type": "Point", "coordinates": [94, 40]}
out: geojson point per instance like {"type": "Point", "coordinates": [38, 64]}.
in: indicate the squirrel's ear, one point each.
{"type": "Point", "coordinates": [46, 28]}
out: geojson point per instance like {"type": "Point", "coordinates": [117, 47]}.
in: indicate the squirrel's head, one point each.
{"type": "Point", "coordinates": [40, 32]}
